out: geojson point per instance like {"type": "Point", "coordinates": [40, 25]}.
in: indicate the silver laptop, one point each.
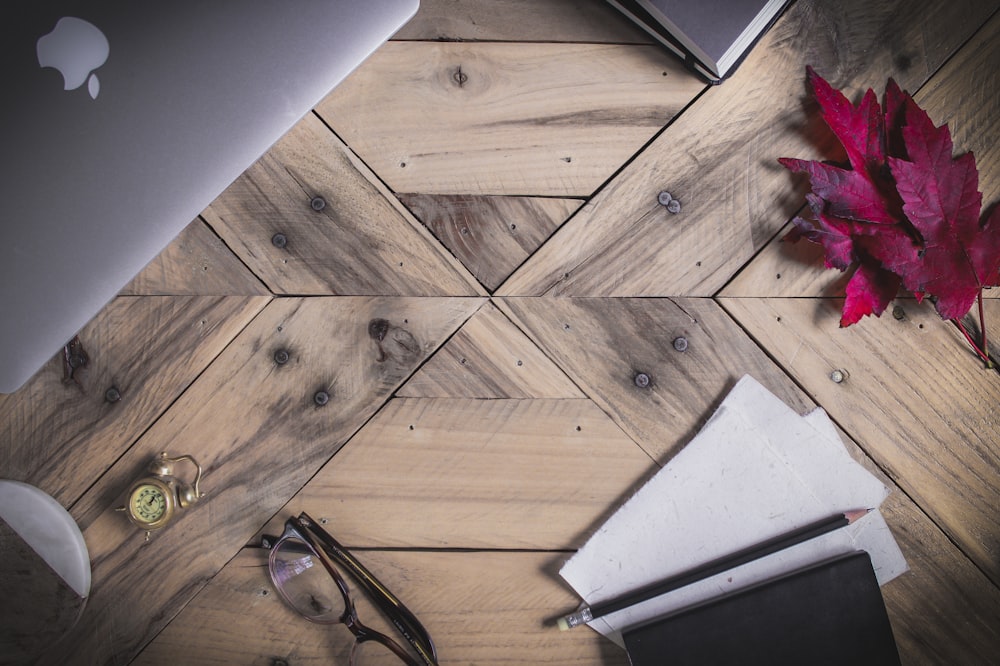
{"type": "Point", "coordinates": [123, 119]}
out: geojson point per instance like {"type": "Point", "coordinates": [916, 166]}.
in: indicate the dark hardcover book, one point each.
{"type": "Point", "coordinates": [712, 36]}
{"type": "Point", "coordinates": [828, 614]}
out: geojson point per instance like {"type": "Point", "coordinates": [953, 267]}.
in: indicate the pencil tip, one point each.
{"type": "Point", "coordinates": [856, 514]}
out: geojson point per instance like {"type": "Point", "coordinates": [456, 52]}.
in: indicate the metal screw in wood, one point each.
{"type": "Point", "coordinates": [667, 200]}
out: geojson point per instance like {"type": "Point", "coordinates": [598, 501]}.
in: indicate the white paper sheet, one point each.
{"type": "Point", "coordinates": [756, 470]}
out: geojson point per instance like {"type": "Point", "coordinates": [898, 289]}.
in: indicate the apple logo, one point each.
{"type": "Point", "coordinates": [75, 48]}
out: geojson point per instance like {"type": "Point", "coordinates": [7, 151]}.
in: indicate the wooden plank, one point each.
{"type": "Point", "coordinates": [448, 473]}
{"type": "Point", "coordinates": [479, 607]}
{"type": "Point", "coordinates": [943, 610]}
{"type": "Point", "coordinates": [489, 358]}
{"type": "Point", "coordinates": [481, 118]}
{"type": "Point", "coordinates": [254, 424]}
{"type": "Point", "coordinates": [605, 344]}
{"type": "Point", "coordinates": [932, 401]}
{"type": "Point", "coordinates": [521, 21]}
{"type": "Point", "coordinates": [719, 157]}
{"type": "Point", "coordinates": [965, 94]}
{"type": "Point", "coordinates": [490, 235]}
{"type": "Point", "coordinates": [60, 433]}
{"type": "Point", "coordinates": [361, 242]}
{"type": "Point", "coordinates": [197, 262]}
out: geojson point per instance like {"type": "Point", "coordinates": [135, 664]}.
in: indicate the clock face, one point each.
{"type": "Point", "coordinates": [148, 503]}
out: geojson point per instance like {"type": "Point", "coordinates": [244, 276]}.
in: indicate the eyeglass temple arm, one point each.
{"type": "Point", "coordinates": [404, 619]}
{"type": "Point", "coordinates": [379, 593]}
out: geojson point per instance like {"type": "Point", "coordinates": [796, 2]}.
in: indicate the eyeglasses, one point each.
{"type": "Point", "coordinates": [302, 564]}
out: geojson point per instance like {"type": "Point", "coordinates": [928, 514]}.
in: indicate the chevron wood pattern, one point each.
{"type": "Point", "coordinates": [422, 318]}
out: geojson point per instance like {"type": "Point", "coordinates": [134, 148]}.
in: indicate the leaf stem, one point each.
{"type": "Point", "coordinates": [982, 331]}
{"type": "Point", "coordinates": [979, 352]}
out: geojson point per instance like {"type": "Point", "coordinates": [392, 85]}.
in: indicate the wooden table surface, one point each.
{"type": "Point", "coordinates": [490, 272]}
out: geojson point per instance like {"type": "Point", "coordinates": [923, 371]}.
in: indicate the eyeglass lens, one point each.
{"type": "Point", "coordinates": [302, 579]}
{"type": "Point", "coordinates": [305, 583]}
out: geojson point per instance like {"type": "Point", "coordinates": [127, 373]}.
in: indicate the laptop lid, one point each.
{"type": "Point", "coordinates": [123, 119]}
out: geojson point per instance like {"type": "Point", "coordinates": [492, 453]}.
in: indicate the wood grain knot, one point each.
{"type": "Point", "coordinates": [393, 342]}
{"type": "Point", "coordinates": [75, 358]}
{"type": "Point", "coordinates": [377, 329]}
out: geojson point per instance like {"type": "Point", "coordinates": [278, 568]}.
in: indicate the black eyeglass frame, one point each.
{"type": "Point", "coordinates": [320, 542]}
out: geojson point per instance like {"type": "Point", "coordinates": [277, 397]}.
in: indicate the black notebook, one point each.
{"type": "Point", "coordinates": [828, 614]}
{"type": "Point", "coordinates": [712, 36]}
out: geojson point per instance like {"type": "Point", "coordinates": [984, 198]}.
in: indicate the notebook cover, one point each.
{"type": "Point", "coordinates": [696, 59]}
{"type": "Point", "coordinates": [638, 14]}
{"type": "Point", "coordinates": [712, 25]}
{"type": "Point", "coordinates": [831, 613]}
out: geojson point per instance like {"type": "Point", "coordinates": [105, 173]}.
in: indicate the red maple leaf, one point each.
{"type": "Point", "coordinates": [905, 213]}
{"type": "Point", "coordinates": [941, 199]}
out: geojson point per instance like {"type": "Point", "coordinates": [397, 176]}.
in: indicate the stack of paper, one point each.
{"type": "Point", "coordinates": [755, 471]}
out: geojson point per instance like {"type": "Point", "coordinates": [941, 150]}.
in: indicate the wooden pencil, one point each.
{"type": "Point", "coordinates": [717, 566]}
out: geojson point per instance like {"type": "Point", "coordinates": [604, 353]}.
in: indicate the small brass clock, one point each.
{"type": "Point", "coordinates": [153, 501]}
